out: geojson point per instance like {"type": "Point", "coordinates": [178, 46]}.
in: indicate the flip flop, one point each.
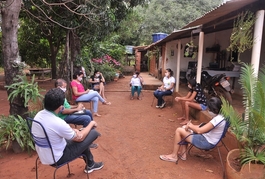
{"type": "Point", "coordinates": [184, 123]}
{"type": "Point", "coordinates": [180, 118]}
{"type": "Point", "coordinates": [163, 157]}
{"type": "Point", "coordinates": [96, 114]}
{"type": "Point", "coordinates": [106, 103]}
{"type": "Point", "coordinates": [181, 157]}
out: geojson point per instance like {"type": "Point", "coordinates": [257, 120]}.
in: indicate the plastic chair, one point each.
{"type": "Point", "coordinates": [165, 99]}
{"type": "Point", "coordinates": [141, 94]}
{"type": "Point", "coordinates": [91, 103]}
{"type": "Point", "coordinates": [44, 142]}
{"type": "Point", "coordinates": [184, 142]}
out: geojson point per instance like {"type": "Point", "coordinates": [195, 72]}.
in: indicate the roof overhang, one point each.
{"type": "Point", "coordinates": [218, 19]}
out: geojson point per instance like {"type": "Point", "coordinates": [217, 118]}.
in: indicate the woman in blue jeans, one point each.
{"type": "Point", "coordinates": [82, 95]}
{"type": "Point", "coordinates": [166, 89]}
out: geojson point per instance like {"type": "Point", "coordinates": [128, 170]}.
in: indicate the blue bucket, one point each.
{"type": "Point", "coordinates": [158, 36]}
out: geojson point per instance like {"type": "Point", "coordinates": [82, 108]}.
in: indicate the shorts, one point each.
{"type": "Point", "coordinates": [203, 107]}
{"type": "Point", "coordinates": [200, 141]}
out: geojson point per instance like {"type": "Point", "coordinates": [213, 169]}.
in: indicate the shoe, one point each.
{"type": "Point", "coordinates": [96, 166]}
{"type": "Point", "coordinates": [93, 146]}
{"type": "Point", "coordinates": [158, 106]}
{"type": "Point", "coordinates": [163, 105]}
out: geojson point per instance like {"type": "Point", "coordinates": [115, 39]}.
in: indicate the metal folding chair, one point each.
{"type": "Point", "coordinates": [44, 142]}
{"type": "Point", "coordinates": [184, 142]}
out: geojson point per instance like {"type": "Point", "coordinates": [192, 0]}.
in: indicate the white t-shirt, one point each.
{"type": "Point", "coordinates": [214, 135]}
{"type": "Point", "coordinates": [58, 132]}
{"type": "Point", "coordinates": [167, 82]}
{"type": "Point", "coordinates": [136, 82]}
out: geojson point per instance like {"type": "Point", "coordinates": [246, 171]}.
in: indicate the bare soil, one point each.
{"type": "Point", "coordinates": [134, 134]}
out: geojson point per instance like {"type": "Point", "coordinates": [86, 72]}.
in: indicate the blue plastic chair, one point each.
{"type": "Point", "coordinates": [44, 142]}
{"type": "Point", "coordinates": [184, 142]}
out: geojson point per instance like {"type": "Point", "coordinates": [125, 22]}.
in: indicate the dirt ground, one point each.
{"type": "Point", "coordinates": [134, 134]}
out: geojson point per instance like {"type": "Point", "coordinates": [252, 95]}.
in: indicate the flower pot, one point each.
{"type": "Point", "coordinates": [248, 171]}
{"type": "Point", "coordinates": [16, 147]}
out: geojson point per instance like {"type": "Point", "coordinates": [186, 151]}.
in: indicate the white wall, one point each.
{"type": "Point", "coordinates": [222, 38]}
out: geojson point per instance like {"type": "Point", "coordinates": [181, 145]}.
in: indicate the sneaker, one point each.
{"type": "Point", "coordinates": [158, 106]}
{"type": "Point", "coordinates": [163, 105]}
{"type": "Point", "coordinates": [96, 166]}
{"type": "Point", "coordinates": [93, 146]}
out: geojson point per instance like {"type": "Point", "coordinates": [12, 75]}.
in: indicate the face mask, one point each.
{"type": "Point", "coordinates": [211, 113]}
{"type": "Point", "coordinates": [189, 86]}
{"type": "Point", "coordinates": [64, 89]}
{"type": "Point", "coordinates": [97, 75]}
{"type": "Point", "coordinates": [166, 74]}
{"type": "Point", "coordinates": [134, 76]}
{"type": "Point", "coordinates": [79, 78]}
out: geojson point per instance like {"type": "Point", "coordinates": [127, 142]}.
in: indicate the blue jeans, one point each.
{"type": "Point", "coordinates": [200, 141]}
{"type": "Point", "coordinates": [159, 95]}
{"type": "Point", "coordinates": [91, 96]}
{"type": "Point", "coordinates": [74, 149]}
{"type": "Point", "coordinates": [79, 119]}
{"type": "Point", "coordinates": [136, 88]}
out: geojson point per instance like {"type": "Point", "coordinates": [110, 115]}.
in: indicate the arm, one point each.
{"type": "Point", "coordinates": [200, 130]}
{"type": "Point", "coordinates": [91, 80]}
{"type": "Point", "coordinates": [81, 135]}
{"type": "Point", "coordinates": [102, 78]}
{"type": "Point", "coordinates": [170, 87]}
{"type": "Point", "coordinates": [73, 109]}
{"type": "Point", "coordinates": [76, 93]}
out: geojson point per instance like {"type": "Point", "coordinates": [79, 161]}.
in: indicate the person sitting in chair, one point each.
{"type": "Point", "coordinates": [66, 142]}
{"type": "Point", "coordinates": [166, 89]}
{"type": "Point", "coordinates": [136, 85]}
{"type": "Point", "coordinates": [195, 98]}
{"type": "Point", "coordinates": [205, 136]}
{"type": "Point", "coordinates": [98, 83]}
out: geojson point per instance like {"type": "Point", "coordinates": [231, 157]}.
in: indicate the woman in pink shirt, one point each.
{"type": "Point", "coordinates": [82, 95]}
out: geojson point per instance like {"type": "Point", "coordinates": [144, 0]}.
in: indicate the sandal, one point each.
{"type": "Point", "coordinates": [165, 158]}
{"type": "Point", "coordinates": [106, 103]}
{"type": "Point", "coordinates": [96, 114]}
{"type": "Point", "coordinates": [181, 157]}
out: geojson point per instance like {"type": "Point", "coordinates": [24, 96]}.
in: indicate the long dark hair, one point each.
{"type": "Point", "coordinates": [170, 71]}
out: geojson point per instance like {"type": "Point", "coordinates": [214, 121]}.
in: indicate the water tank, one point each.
{"type": "Point", "coordinates": [158, 36]}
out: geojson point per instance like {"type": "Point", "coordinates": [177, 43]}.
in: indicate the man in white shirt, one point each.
{"type": "Point", "coordinates": [67, 143]}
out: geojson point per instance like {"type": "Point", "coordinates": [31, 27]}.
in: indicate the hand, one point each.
{"type": "Point", "coordinates": [87, 91]}
{"type": "Point", "coordinates": [94, 123]}
{"type": "Point", "coordinates": [177, 99]}
{"type": "Point", "coordinates": [79, 106]}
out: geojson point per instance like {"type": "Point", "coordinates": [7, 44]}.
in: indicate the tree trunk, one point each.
{"type": "Point", "coordinates": [10, 16]}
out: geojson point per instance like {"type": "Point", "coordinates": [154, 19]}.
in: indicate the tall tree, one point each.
{"type": "Point", "coordinates": [10, 17]}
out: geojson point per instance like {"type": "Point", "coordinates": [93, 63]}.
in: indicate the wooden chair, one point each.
{"type": "Point", "coordinates": [217, 146]}
{"type": "Point", "coordinates": [44, 142]}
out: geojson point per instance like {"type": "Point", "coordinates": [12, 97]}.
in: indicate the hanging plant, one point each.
{"type": "Point", "coordinates": [190, 50]}
{"type": "Point", "coordinates": [241, 38]}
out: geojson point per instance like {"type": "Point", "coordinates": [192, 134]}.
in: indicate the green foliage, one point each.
{"type": "Point", "coordinates": [15, 128]}
{"type": "Point", "coordinates": [249, 128]}
{"type": "Point", "coordinates": [24, 89]}
{"type": "Point", "coordinates": [241, 38]}
{"type": "Point", "coordinates": [167, 16]}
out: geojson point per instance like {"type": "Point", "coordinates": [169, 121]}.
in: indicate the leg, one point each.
{"type": "Point", "coordinates": [158, 94]}
{"type": "Point", "coordinates": [189, 104]}
{"type": "Point", "coordinates": [74, 149]}
{"type": "Point", "coordinates": [182, 103]}
{"type": "Point", "coordinates": [139, 91]}
{"type": "Point", "coordinates": [83, 119]}
{"type": "Point", "coordinates": [132, 91]}
{"type": "Point", "coordinates": [180, 133]}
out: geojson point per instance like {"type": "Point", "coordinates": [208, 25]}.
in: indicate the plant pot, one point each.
{"type": "Point", "coordinates": [16, 147]}
{"type": "Point", "coordinates": [248, 171]}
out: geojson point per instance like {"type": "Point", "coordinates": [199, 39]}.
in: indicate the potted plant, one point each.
{"type": "Point", "coordinates": [14, 131]}
{"type": "Point", "coordinates": [248, 128]}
